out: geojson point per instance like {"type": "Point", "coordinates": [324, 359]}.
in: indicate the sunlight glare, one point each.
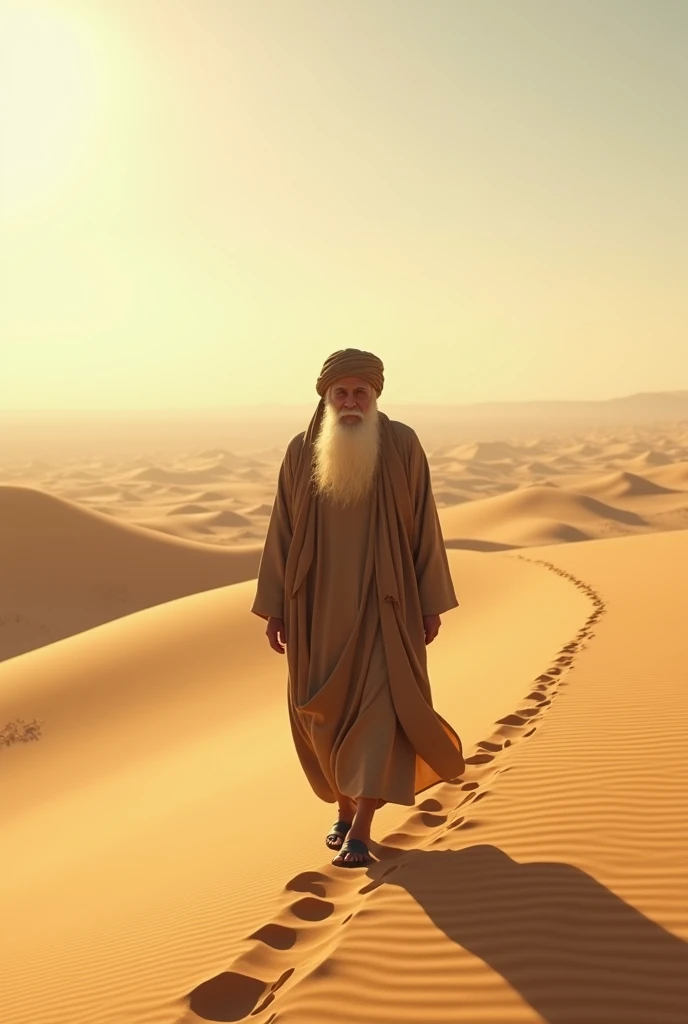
{"type": "Point", "coordinates": [51, 91]}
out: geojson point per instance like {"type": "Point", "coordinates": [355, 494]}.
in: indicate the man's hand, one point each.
{"type": "Point", "coordinates": [432, 625]}
{"type": "Point", "coordinates": [276, 634]}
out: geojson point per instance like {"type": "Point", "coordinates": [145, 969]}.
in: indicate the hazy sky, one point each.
{"type": "Point", "coordinates": [201, 199]}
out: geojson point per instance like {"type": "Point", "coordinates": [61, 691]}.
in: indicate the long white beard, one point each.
{"type": "Point", "coordinates": [346, 455]}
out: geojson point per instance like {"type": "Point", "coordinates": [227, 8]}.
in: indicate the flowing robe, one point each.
{"type": "Point", "coordinates": [352, 584]}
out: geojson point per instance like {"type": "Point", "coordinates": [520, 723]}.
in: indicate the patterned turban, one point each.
{"type": "Point", "coordinates": [351, 362]}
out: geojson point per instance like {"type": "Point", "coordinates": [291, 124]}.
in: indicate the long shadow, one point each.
{"type": "Point", "coordinates": [573, 950]}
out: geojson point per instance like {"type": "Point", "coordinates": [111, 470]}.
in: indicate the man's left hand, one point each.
{"type": "Point", "coordinates": [432, 625]}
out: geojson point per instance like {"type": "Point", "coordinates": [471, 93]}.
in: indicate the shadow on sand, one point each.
{"type": "Point", "coordinates": [574, 951]}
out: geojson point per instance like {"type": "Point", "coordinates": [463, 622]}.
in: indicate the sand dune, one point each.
{"type": "Point", "coordinates": [188, 510]}
{"type": "Point", "coordinates": [623, 484]}
{"type": "Point", "coordinates": [211, 496]}
{"type": "Point", "coordinates": [250, 473]}
{"type": "Point", "coordinates": [163, 856]}
{"type": "Point", "coordinates": [221, 458]}
{"type": "Point", "coordinates": [175, 731]}
{"type": "Point", "coordinates": [226, 517]}
{"type": "Point", "coordinates": [192, 477]}
{"type": "Point", "coordinates": [482, 451]}
{"type": "Point", "coordinates": [540, 468]}
{"type": "Point", "coordinates": [653, 458]}
{"type": "Point", "coordinates": [451, 497]}
{"type": "Point", "coordinates": [66, 569]}
{"type": "Point", "coordinates": [259, 510]}
{"type": "Point", "coordinates": [516, 894]}
{"type": "Point", "coordinates": [151, 490]}
{"type": "Point", "coordinates": [530, 531]}
{"type": "Point", "coordinates": [563, 895]}
{"type": "Point", "coordinates": [674, 476]}
{"type": "Point", "coordinates": [534, 515]}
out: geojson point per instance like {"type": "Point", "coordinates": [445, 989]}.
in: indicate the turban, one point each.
{"type": "Point", "coordinates": [351, 362]}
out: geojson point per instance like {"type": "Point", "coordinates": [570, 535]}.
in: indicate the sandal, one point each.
{"type": "Point", "coordinates": [353, 846]}
{"type": "Point", "coordinates": [338, 831]}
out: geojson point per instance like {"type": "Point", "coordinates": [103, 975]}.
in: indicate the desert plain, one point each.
{"type": "Point", "coordinates": [162, 855]}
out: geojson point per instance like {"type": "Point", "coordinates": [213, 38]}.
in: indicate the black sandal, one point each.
{"type": "Point", "coordinates": [353, 846]}
{"type": "Point", "coordinates": [338, 831]}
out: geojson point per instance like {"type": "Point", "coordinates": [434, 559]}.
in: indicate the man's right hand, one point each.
{"type": "Point", "coordinates": [276, 634]}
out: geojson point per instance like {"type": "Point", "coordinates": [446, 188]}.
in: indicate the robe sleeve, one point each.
{"type": "Point", "coordinates": [435, 586]}
{"type": "Point", "coordinates": [269, 599]}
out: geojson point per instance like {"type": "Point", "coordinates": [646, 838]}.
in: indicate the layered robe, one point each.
{"type": "Point", "coordinates": [352, 584]}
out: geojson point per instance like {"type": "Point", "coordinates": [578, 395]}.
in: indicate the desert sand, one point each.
{"type": "Point", "coordinates": [163, 857]}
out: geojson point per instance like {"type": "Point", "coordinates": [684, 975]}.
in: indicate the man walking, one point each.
{"type": "Point", "coordinates": [352, 581]}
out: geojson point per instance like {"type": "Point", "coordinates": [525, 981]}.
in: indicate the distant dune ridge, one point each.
{"type": "Point", "coordinates": [163, 855]}
{"type": "Point", "coordinates": [66, 569]}
{"type": "Point", "coordinates": [492, 497]}
{"type": "Point", "coordinates": [263, 431]}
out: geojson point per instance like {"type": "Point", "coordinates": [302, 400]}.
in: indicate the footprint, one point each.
{"type": "Point", "coordinates": [430, 805]}
{"type": "Point", "coordinates": [281, 980]}
{"type": "Point", "coordinates": [309, 909]}
{"type": "Point", "coordinates": [234, 996]}
{"type": "Point", "coordinates": [264, 1005]}
{"type": "Point", "coordinates": [480, 758]}
{"type": "Point", "coordinates": [227, 996]}
{"type": "Point", "coordinates": [402, 840]}
{"type": "Point", "coordinates": [511, 720]}
{"type": "Point", "coordinates": [432, 820]}
{"type": "Point", "coordinates": [277, 936]}
{"type": "Point", "coordinates": [308, 881]}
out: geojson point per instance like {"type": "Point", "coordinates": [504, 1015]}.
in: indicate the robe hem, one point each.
{"type": "Point", "coordinates": [397, 803]}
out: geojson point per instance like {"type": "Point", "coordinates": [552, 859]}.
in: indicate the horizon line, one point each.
{"type": "Point", "coordinates": [676, 393]}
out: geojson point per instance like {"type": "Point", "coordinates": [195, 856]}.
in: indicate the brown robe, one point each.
{"type": "Point", "coordinates": [352, 585]}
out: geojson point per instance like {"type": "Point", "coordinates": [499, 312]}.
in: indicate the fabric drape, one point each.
{"type": "Point", "coordinates": [359, 696]}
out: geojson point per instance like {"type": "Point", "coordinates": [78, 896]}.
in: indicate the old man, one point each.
{"type": "Point", "coordinates": [352, 581]}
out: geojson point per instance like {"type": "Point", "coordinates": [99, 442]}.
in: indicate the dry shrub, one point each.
{"type": "Point", "coordinates": [20, 731]}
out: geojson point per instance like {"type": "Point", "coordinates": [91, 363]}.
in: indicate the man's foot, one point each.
{"type": "Point", "coordinates": [354, 851]}
{"type": "Point", "coordinates": [346, 810]}
{"type": "Point", "coordinates": [337, 834]}
{"type": "Point", "coordinates": [353, 854]}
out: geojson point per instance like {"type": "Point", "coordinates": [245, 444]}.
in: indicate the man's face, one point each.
{"type": "Point", "coordinates": [348, 442]}
{"type": "Point", "coordinates": [351, 398]}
